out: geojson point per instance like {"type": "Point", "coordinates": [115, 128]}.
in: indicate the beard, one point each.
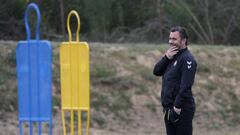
{"type": "Point", "coordinates": [176, 45]}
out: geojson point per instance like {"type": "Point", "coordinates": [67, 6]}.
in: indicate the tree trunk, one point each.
{"type": "Point", "coordinates": [160, 17]}
{"type": "Point", "coordinates": [62, 19]}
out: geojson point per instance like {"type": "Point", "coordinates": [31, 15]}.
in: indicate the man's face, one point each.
{"type": "Point", "coordinates": [175, 40]}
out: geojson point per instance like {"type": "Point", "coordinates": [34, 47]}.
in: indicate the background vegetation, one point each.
{"type": "Point", "coordinates": [208, 21]}
{"type": "Point", "coordinates": [124, 35]}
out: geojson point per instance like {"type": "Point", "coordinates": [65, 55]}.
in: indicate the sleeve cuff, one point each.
{"type": "Point", "coordinates": [177, 103]}
{"type": "Point", "coordinates": [166, 58]}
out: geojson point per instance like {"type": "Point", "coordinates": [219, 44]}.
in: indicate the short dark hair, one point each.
{"type": "Point", "coordinates": [182, 31]}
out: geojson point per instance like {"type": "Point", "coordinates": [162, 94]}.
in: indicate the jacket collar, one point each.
{"type": "Point", "coordinates": [182, 50]}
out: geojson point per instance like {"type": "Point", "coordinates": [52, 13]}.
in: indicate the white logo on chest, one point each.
{"type": "Point", "coordinates": [175, 63]}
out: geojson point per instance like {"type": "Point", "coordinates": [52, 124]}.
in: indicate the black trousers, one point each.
{"type": "Point", "coordinates": [180, 126]}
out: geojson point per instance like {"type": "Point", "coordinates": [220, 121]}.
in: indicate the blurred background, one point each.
{"type": "Point", "coordinates": [127, 38]}
{"type": "Point", "coordinates": [208, 21]}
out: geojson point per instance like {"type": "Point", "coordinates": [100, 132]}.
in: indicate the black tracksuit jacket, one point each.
{"type": "Point", "coordinates": [177, 79]}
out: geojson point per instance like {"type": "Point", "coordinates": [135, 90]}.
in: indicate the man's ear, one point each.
{"type": "Point", "coordinates": [184, 41]}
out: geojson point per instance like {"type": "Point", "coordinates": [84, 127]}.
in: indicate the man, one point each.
{"type": "Point", "coordinates": [177, 68]}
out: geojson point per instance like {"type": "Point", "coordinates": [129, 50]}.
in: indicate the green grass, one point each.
{"type": "Point", "coordinates": [142, 89]}
{"type": "Point", "coordinates": [151, 107]}
{"type": "Point", "coordinates": [102, 71]}
{"type": "Point", "coordinates": [117, 76]}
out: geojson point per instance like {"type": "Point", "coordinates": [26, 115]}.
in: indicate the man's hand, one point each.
{"type": "Point", "coordinates": [171, 52]}
{"type": "Point", "coordinates": [177, 110]}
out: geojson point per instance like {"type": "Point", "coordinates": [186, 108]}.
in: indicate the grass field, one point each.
{"type": "Point", "coordinates": [124, 93]}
